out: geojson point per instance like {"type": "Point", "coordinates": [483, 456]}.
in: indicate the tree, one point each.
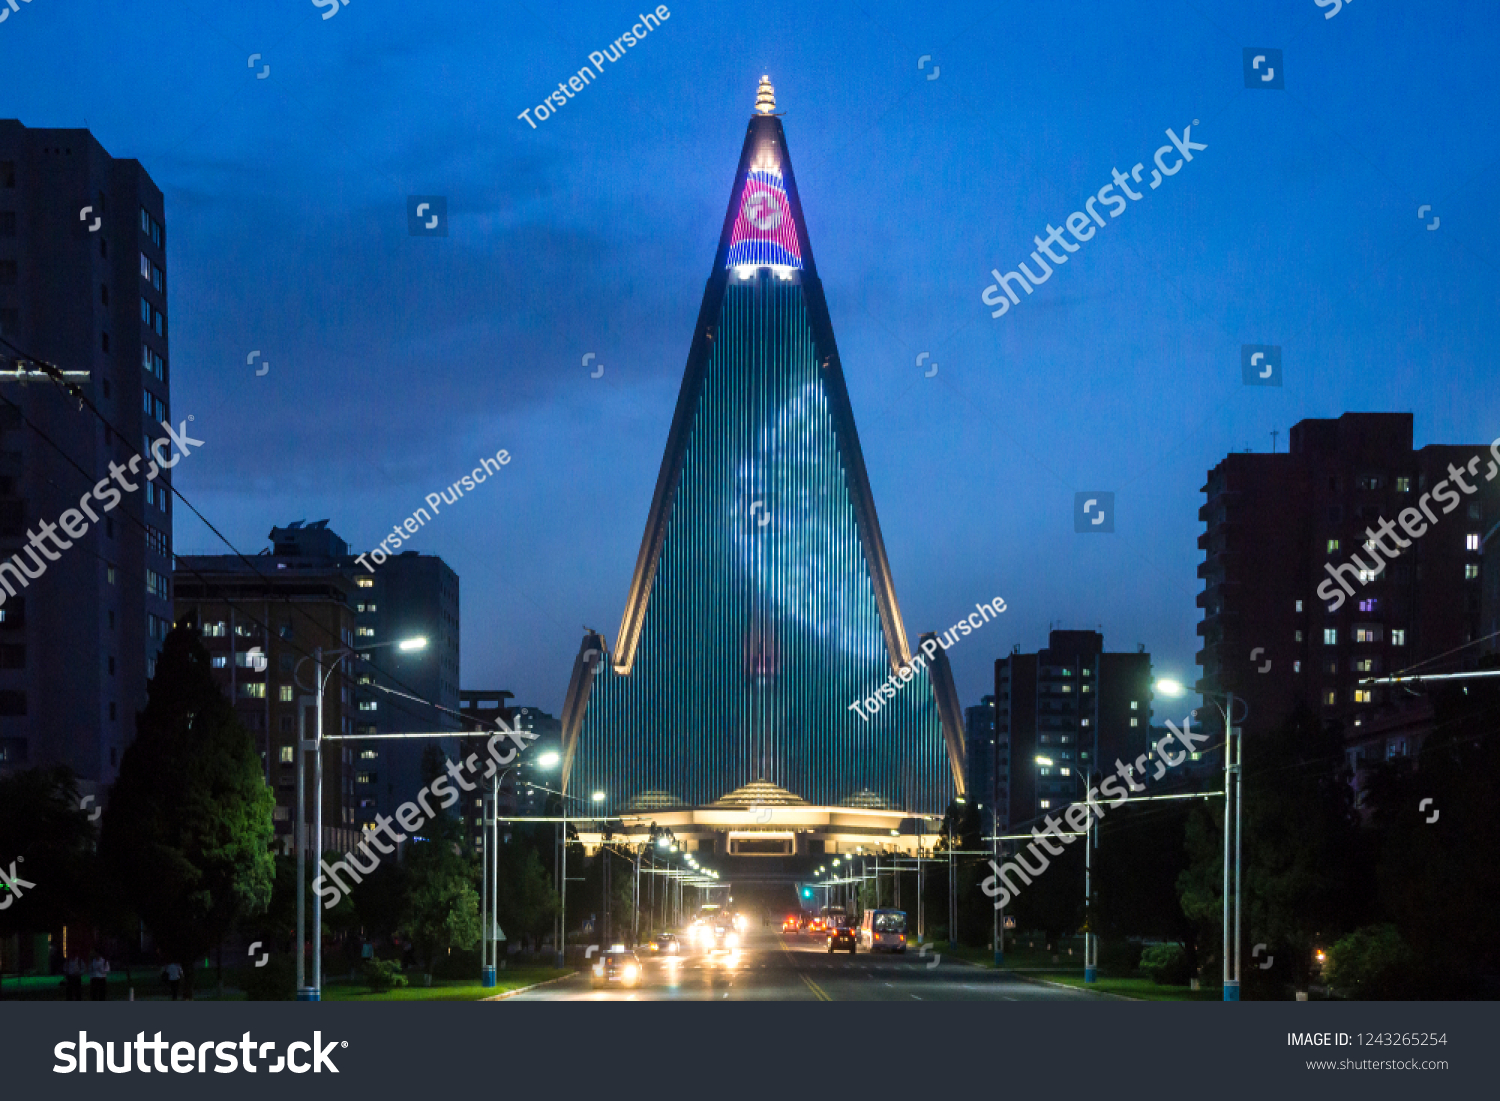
{"type": "Point", "coordinates": [527, 903]}
{"type": "Point", "coordinates": [1436, 829]}
{"type": "Point", "coordinates": [188, 831]}
{"type": "Point", "coordinates": [442, 908]}
{"type": "Point", "coordinates": [1307, 867]}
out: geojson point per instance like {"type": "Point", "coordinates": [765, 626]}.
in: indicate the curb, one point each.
{"type": "Point", "coordinates": [1065, 986]}
{"type": "Point", "coordinates": [523, 989]}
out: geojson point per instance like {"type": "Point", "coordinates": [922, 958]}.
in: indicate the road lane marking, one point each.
{"type": "Point", "coordinates": [817, 990]}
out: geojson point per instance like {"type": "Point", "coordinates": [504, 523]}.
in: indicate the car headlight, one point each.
{"type": "Point", "coordinates": [631, 971]}
{"type": "Point", "coordinates": [733, 940]}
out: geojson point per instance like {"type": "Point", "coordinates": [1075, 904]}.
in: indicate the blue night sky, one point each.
{"type": "Point", "coordinates": [398, 361]}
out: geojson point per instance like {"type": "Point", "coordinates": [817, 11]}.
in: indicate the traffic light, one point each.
{"type": "Point", "coordinates": [807, 892]}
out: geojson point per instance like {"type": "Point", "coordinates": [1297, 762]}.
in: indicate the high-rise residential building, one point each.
{"type": "Point", "coordinates": [987, 764]}
{"type": "Point", "coordinates": [486, 710]}
{"type": "Point", "coordinates": [1068, 712]}
{"type": "Point", "coordinates": [1350, 556]}
{"type": "Point", "coordinates": [309, 592]}
{"type": "Point", "coordinates": [262, 620]}
{"type": "Point", "coordinates": [408, 597]}
{"type": "Point", "coordinates": [82, 288]}
{"type": "Point", "coordinates": [762, 696]}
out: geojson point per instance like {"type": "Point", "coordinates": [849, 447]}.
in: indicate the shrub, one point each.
{"type": "Point", "coordinates": [1372, 962]}
{"type": "Point", "coordinates": [383, 975]}
{"type": "Point", "coordinates": [1166, 964]}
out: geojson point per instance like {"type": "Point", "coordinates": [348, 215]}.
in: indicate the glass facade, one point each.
{"type": "Point", "coordinates": [761, 624]}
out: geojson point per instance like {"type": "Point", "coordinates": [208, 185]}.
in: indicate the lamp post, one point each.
{"type": "Point", "coordinates": [548, 760]}
{"type": "Point", "coordinates": [313, 992]}
{"type": "Point", "coordinates": [1233, 793]}
{"type": "Point", "coordinates": [489, 899]}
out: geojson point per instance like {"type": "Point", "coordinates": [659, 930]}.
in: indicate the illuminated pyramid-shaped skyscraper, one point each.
{"type": "Point", "coordinates": [762, 604]}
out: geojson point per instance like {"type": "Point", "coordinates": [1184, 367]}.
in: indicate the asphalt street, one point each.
{"type": "Point", "coordinates": [794, 967]}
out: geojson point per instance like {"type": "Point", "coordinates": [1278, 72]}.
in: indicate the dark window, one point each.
{"type": "Point", "coordinates": [111, 711]}
{"type": "Point", "coordinates": [104, 253]}
{"type": "Point", "coordinates": [1335, 514]}
{"type": "Point", "coordinates": [13, 751]}
{"type": "Point", "coordinates": [12, 656]}
{"type": "Point", "coordinates": [104, 342]}
{"type": "Point", "coordinates": [7, 223]}
{"type": "Point", "coordinates": [12, 703]}
{"type": "Point", "coordinates": [13, 519]}
{"type": "Point", "coordinates": [111, 666]}
{"type": "Point", "coordinates": [13, 614]}
{"type": "Point", "coordinates": [10, 321]}
{"type": "Point", "coordinates": [104, 294]}
{"type": "Point", "coordinates": [8, 273]}
{"type": "Point", "coordinates": [7, 173]}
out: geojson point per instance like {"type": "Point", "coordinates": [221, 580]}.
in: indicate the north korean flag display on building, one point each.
{"type": "Point", "coordinates": [763, 230]}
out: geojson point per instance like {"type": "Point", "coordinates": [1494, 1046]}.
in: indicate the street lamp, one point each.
{"type": "Point", "coordinates": [489, 901]}
{"type": "Point", "coordinates": [314, 992]}
{"type": "Point", "coordinates": [1233, 792]}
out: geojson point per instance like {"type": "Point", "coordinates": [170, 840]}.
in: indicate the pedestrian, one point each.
{"type": "Point", "coordinates": [99, 978]}
{"type": "Point", "coordinates": [73, 978]}
{"type": "Point", "coordinates": [174, 978]}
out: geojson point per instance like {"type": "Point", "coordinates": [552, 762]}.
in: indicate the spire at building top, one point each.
{"type": "Point", "coordinates": [765, 97]}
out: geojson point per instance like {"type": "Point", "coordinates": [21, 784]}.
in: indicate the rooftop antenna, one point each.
{"type": "Point", "coordinates": [765, 97]}
{"type": "Point", "coordinates": [1274, 434]}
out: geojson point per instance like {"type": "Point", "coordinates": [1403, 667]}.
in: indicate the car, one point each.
{"type": "Point", "coordinates": [816, 926]}
{"type": "Point", "coordinates": [665, 944]}
{"type": "Point", "coordinates": [790, 925]}
{"type": "Point", "coordinates": [841, 938]}
{"type": "Point", "coordinates": [619, 966]}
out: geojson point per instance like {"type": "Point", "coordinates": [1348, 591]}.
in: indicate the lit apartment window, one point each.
{"type": "Point", "coordinates": [368, 754]}
{"type": "Point", "coordinates": [1296, 667]}
{"type": "Point", "coordinates": [1330, 698]}
{"type": "Point", "coordinates": [1398, 636]}
{"type": "Point", "coordinates": [253, 691]}
{"type": "Point", "coordinates": [1333, 545]}
{"type": "Point", "coordinates": [1067, 688]}
{"type": "Point", "coordinates": [1083, 722]}
{"type": "Point", "coordinates": [1403, 485]}
{"type": "Point", "coordinates": [287, 754]}
{"type": "Point", "coordinates": [365, 778]}
{"type": "Point", "coordinates": [1065, 772]}
{"type": "Point", "coordinates": [1364, 665]}
{"type": "Point", "coordinates": [281, 814]}
{"type": "Point", "coordinates": [1299, 636]}
{"type": "Point", "coordinates": [365, 582]}
{"type": "Point", "coordinates": [1395, 748]}
{"type": "Point", "coordinates": [1299, 605]}
{"type": "Point", "coordinates": [109, 574]}
{"type": "Point", "coordinates": [1471, 541]}
{"type": "Point", "coordinates": [1135, 722]}
{"type": "Point", "coordinates": [1471, 570]}
{"type": "Point", "coordinates": [286, 693]}
{"type": "Point", "coordinates": [1330, 636]}
{"type": "Point", "coordinates": [1045, 804]}
{"type": "Point", "coordinates": [1135, 705]}
{"type": "Point", "coordinates": [1366, 576]}
{"type": "Point", "coordinates": [367, 705]}
{"type": "Point", "coordinates": [365, 632]}
{"type": "Point", "coordinates": [1367, 633]}
{"type": "Point", "coordinates": [1361, 695]}
{"type": "Point", "coordinates": [213, 630]}
{"type": "Point", "coordinates": [220, 661]}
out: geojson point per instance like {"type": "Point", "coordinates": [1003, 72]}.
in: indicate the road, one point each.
{"type": "Point", "coordinates": [772, 967]}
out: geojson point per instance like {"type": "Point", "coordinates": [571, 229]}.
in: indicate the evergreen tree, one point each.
{"type": "Point", "coordinates": [188, 832]}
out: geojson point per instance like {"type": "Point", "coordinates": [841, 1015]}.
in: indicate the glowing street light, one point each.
{"type": "Point", "coordinates": [549, 759]}
{"type": "Point", "coordinates": [1170, 688]}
